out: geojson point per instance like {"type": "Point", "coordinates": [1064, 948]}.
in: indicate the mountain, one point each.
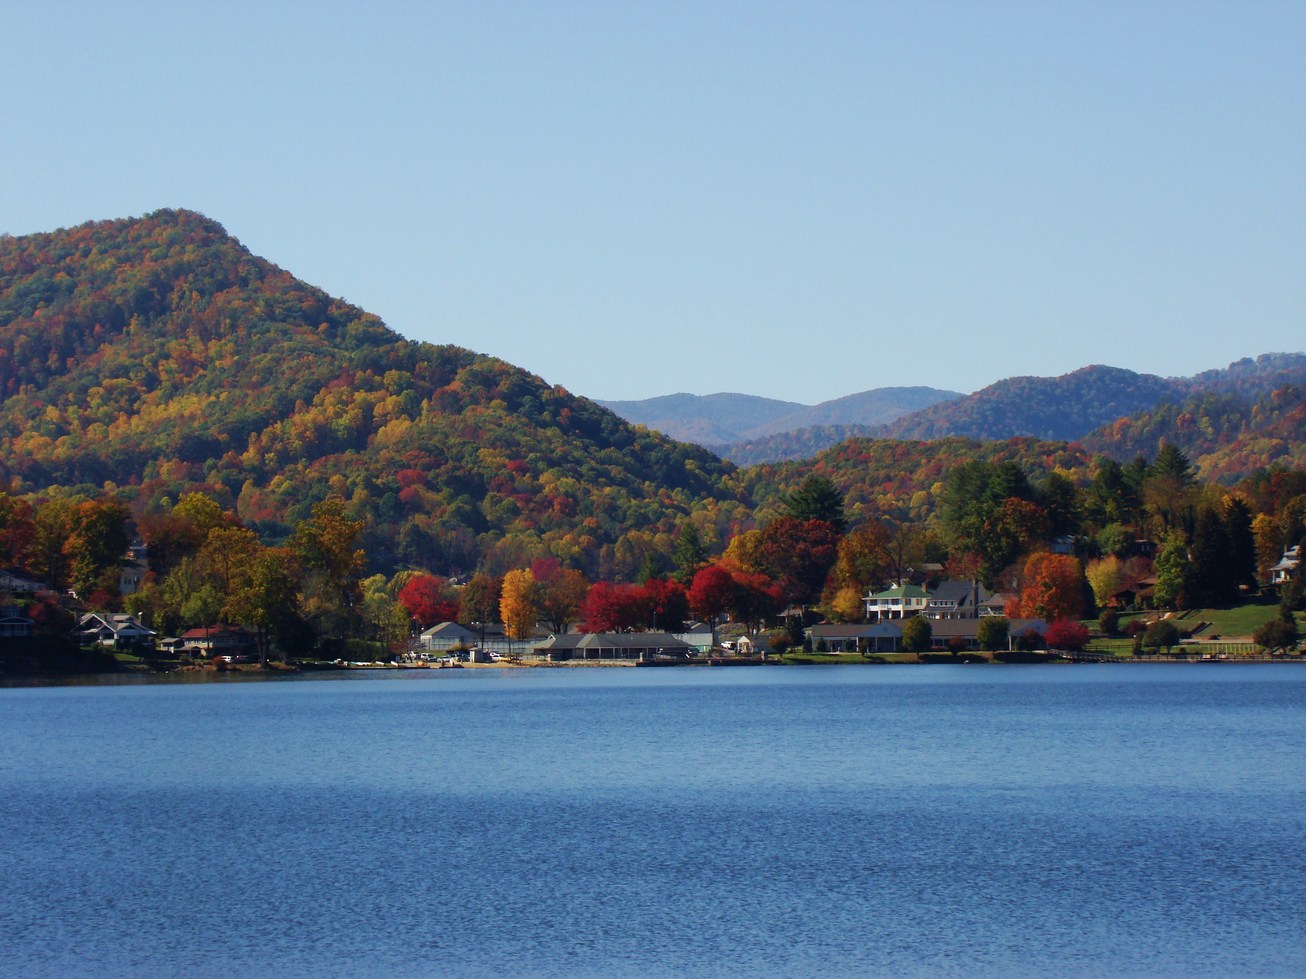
{"type": "Point", "coordinates": [716, 420]}
{"type": "Point", "coordinates": [1072, 405]}
{"type": "Point", "coordinates": [1226, 436]}
{"type": "Point", "coordinates": [749, 431]}
{"type": "Point", "coordinates": [704, 419]}
{"type": "Point", "coordinates": [154, 356]}
{"type": "Point", "coordinates": [1063, 407]}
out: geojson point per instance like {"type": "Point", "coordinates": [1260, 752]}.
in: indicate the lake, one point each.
{"type": "Point", "coordinates": [798, 821]}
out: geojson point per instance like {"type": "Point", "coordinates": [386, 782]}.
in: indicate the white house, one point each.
{"type": "Point", "coordinates": [1287, 566]}
{"type": "Point", "coordinates": [898, 602]}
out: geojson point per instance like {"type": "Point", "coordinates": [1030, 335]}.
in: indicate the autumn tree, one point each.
{"type": "Point", "coordinates": [862, 559]}
{"type": "Point", "coordinates": [562, 591]}
{"type": "Point", "coordinates": [1105, 576]}
{"type": "Point", "coordinates": [755, 599]}
{"type": "Point", "coordinates": [326, 546]}
{"type": "Point", "coordinates": [263, 595]}
{"type": "Point", "coordinates": [797, 555]}
{"type": "Point", "coordinates": [667, 604]}
{"type": "Point", "coordinates": [95, 545]}
{"type": "Point", "coordinates": [1268, 543]}
{"type": "Point", "coordinates": [710, 595]}
{"type": "Point", "coordinates": [1067, 634]}
{"type": "Point", "coordinates": [428, 599]}
{"type": "Point", "coordinates": [479, 601]}
{"type": "Point", "coordinates": [519, 604]}
{"type": "Point", "coordinates": [1052, 587]}
{"type": "Point", "coordinates": [612, 607]}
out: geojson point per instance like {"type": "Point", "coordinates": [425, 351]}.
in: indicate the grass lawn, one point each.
{"type": "Point", "coordinates": [1235, 623]}
{"type": "Point", "coordinates": [1238, 620]}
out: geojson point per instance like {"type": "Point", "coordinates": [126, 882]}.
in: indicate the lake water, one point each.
{"type": "Point", "coordinates": [825, 821]}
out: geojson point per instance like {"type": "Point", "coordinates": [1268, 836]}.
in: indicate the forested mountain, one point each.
{"type": "Point", "coordinates": [718, 420]}
{"type": "Point", "coordinates": [1065, 407]}
{"type": "Point", "coordinates": [748, 430]}
{"type": "Point", "coordinates": [155, 356]}
{"type": "Point", "coordinates": [901, 478]}
{"type": "Point", "coordinates": [1228, 436]}
{"type": "Point", "coordinates": [1072, 405]}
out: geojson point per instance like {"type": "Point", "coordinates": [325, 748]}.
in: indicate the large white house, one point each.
{"type": "Point", "coordinates": [899, 602]}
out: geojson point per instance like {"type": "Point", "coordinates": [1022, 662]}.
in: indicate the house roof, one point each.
{"type": "Point", "coordinates": [615, 640]}
{"type": "Point", "coordinates": [218, 629]}
{"type": "Point", "coordinates": [961, 593]}
{"type": "Point", "coordinates": [902, 591]}
{"type": "Point", "coordinates": [448, 629]}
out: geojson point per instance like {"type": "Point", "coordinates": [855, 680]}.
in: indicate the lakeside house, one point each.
{"type": "Point", "coordinates": [898, 602]}
{"type": "Point", "coordinates": [220, 639]}
{"type": "Point", "coordinates": [957, 600]}
{"type": "Point", "coordinates": [1286, 569]}
{"type": "Point", "coordinates": [13, 623]}
{"type": "Point", "coordinates": [446, 636]}
{"type": "Point", "coordinates": [638, 646]}
{"type": "Point", "coordinates": [118, 630]}
{"type": "Point", "coordinates": [16, 582]}
{"type": "Point", "coordinates": [885, 636]}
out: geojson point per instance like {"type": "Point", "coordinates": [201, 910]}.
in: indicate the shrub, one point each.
{"type": "Point", "coordinates": [1277, 634]}
{"type": "Point", "coordinates": [916, 635]}
{"type": "Point", "coordinates": [1030, 640]}
{"type": "Point", "coordinates": [1067, 634]}
{"type": "Point", "coordinates": [1161, 634]}
{"type": "Point", "coordinates": [1109, 622]}
{"type": "Point", "coordinates": [992, 633]}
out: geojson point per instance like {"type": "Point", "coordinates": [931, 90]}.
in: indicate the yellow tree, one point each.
{"type": "Point", "coordinates": [519, 604]}
{"type": "Point", "coordinates": [1269, 538]}
{"type": "Point", "coordinates": [1105, 577]}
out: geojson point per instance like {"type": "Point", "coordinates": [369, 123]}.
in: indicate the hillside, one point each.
{"type": "Point", "coordinates": [156, 355]}
{"type": "Point", "coordinates": [901, 477]}
{"type": "Point", "coordinates": [1227, 436]}
{"type": "Point", "coordinates": [1065, 407]}
{"type": "Point", "coordinates": [718, 420]}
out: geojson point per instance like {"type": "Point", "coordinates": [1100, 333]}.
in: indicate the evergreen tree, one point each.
{"type": "Point", "coordinates": [1242, 542]}
{"type": "Point", "coordinates": [690, 554]}
{"type": "Point", "coordinates": [818, 499]}
{"type": "Point", "coordinates": [1210, 577]}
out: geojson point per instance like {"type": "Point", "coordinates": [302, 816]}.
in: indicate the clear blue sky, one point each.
{"type": "Point", "coordinates": [798, 200]}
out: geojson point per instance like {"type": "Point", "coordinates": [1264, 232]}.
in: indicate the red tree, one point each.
{"type": "Point", "coordinates": [710, 594]}
{"type": "Point", "coordinates": [798, 555]}
{"type": "Point", "coordinates": [429, 600]}
{"type": "Point", "coordinates": [1067, 634]}
{"type": "Point", "coordinates": [612, 607]}
{"type": "Point", "coordinates": [756, 598]}
{"type": "Point", "coordinates": [666, 603]}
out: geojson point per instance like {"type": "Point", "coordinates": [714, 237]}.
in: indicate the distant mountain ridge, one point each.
{"type": "Point", "coordinates": [1064, 408]}
{"type": "Point", "coordinates": [716, 420]}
